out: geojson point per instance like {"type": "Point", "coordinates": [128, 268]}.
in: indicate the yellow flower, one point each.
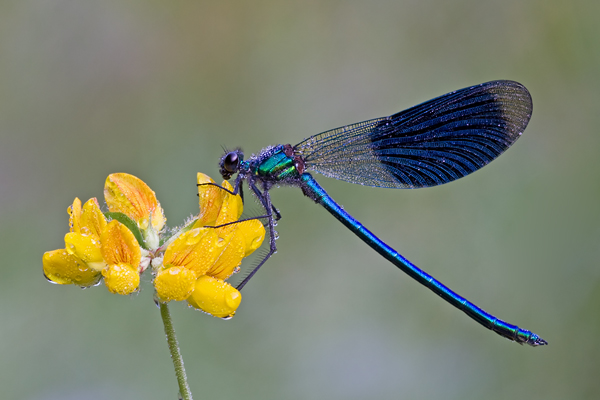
{"type": "Point", "coordinates": [81, 261]}
{"type": "Point", "coordinates": [95, 248]}
{"type": "Point", "coordinates": [196, 264]}
{"type": "Point", "coordinates": [127, 194]}
{"type": "Point", "coordinates": [118, 246]}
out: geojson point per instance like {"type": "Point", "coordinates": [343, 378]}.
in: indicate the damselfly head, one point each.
{"type": "Point", "coordinates": [230, 163]}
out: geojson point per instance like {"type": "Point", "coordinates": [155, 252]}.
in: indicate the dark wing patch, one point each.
{"type": "Point", "coordinates": [430, 144]}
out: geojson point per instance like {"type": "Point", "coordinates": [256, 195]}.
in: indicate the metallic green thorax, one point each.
{"type": "Point", "coordinates": [277, 166]}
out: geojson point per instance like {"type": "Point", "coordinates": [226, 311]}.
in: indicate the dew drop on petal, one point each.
{"type": "Point", "coordinates": [50, 280]}
{"type": "Point", "coordinates": [193, 238]}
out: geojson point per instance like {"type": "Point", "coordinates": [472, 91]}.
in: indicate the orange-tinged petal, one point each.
{"type": "Point", "coordinates": [211, 200]}
{"type": "Point", "coordinates": [175, 283]}
{"type": "Point", "coordinates": [254, 234]}
{"type": "Point", "coordinates": [64, 268]}
{"type": "Point", "coordinates": [92, 219]}
{"type": "Point", "coordinates": [129, 195]}
{"type": "Point", "coordinates": [75, 215]}
{"type": "Point", "coordinates": [119, 245]}
{"type": "Point", "coordinates": [86, 248]}
{"type": "Point", "coordinates": [232, 249]}
{"type": "Point", "coordinates": [215, 297]}
{"type": "Point", "coordinates": [196, 250]}
{"type": "Point", "coordinates": [121, 278]}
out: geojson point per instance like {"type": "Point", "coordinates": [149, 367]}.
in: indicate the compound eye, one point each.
{"type": "Point", "coordinates": [231, 162]}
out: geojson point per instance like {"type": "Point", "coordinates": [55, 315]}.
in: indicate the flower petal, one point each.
{"type": "Point", "coordinates": [92, 219]}
{"type": "Point", "coordinates": [86, 248]}
{"type": "Point", "coordinates": [211, 200]}
{"type": "Point", "coordinates": [64, 268]}
{"type": "Point", "coordinates": [232, 207]}
{"type": "Point", "coordinates": [232, 251]}
{"type": "Point", "coordinates": [119, 245]}
{"type": "Point", "coordinates": [196, 250]}
{"type": "Point", "coordinates": [75, 215]}
{"type": "Point", "coordinates": [121, 278]}
{"type": "Point", "coordinates": [254, 234]}
{"type": "Point", "coordinates": [215, 297]}
{"type": "Point", "coordinates": [175, 283]}
{"type": "Point", "coordinates": [129, 195]}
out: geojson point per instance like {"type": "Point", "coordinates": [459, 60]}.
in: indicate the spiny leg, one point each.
{"type": "Point", "coordinates": [265, 199]}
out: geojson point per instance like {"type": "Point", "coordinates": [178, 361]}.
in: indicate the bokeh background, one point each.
{"type": "Point", "coordinates": [156, 89]}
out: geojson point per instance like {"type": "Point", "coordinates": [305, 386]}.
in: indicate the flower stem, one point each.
{"type": "Point", "coordinates": [184, 388]}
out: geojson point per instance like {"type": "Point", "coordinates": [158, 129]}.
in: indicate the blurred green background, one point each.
{"type": "Point", "coordinates": [157, 88]}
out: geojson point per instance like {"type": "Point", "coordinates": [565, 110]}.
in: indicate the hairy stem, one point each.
{"type": "Point", "coordinates": [184, 388]}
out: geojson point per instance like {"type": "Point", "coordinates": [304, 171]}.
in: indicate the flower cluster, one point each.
{"type": "Point", "coordinates": [190, 264]}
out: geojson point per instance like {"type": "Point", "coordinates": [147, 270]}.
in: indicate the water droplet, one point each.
{"type": "Point", "coordinates": [49, 280]}
{"type": "Point", "coordinates": [227, 318]}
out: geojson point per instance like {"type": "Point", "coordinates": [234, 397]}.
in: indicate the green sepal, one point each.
{"type": "Point", "coordinates": [130, 224]}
